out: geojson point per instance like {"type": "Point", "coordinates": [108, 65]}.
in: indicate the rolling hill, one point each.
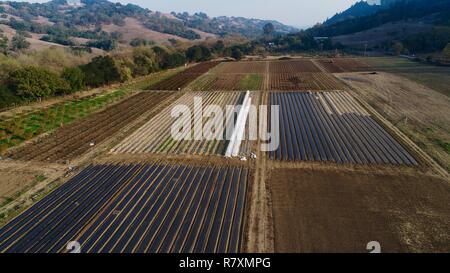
{"type": "Point", "coordinates": [92, 22]}
{"type": "Point", "coordinates": [360, 9]}
{"type": "Point", "coordinates": [419, 25]}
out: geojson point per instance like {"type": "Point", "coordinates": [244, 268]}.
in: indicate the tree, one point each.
{"type": "Point", "coordinates": [144, 60]}
{"type": "Point", "coordinates": [35, 82]}
{"type": "Point", "coordinates": [198, 53]}
{"type": "Point", "coordinates": [446, 51]}
{"type": "Point", "coordinates": [19, 42]}
{"type": "Point", "coordinates": [173, 60]}
{"type": "Point", "coordinates": [268, 30]}
{"type": "Point", "coordinates": [218, 47]}
{"type": "Point", "coordinates": [398, 48]}
{"type": "Point", "coordinates": [160, 54]}
{"type": "Point", "coordinates": [236, 53]}
{"type": "Point", "coordinates": [3, 44]}
{"type": "Point", "coordinates": [74, 77]}
{"type": "Point", "coordinates": [105, 44]}
{"type": "Point", "coordinates": [101, 70]}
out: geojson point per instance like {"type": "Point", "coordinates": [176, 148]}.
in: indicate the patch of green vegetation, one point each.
{"type": "Point", "coordinates": [444, 145]}
{"type": "Point", "coordinates": [250, 82]}
{"type": "Point", "coordinates": [28, 125]}
{"type": "Point", "coordinates": [7, 201]}
{"type": "Point", "coordinates": [40, 178]}
{"type": "Point", "coordinates": [202, 82]}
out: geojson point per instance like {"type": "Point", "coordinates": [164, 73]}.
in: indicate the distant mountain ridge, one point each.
{"type": "Point", "coordinates": [360, 9]}
{"type": "Point", "coordinates": [418, 24]}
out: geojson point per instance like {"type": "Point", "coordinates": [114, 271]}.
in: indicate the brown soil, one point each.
{"type": "Point", "coordinates": [17, 177]}
{"type": "Point", "coordinates": [293, 66]}
{"type": "Point", "coordinates": [183, 79]}
{"type": "Point", "coordinates": [304, 82]}
{"type": "Point", "coordinates": [333, 210]}
{"type": "Point", "coordinates": [223, 82]}
{"type": "Point", "coordinates": [342, 65]}
{"type": "Point", "coordinates": [407, 105]}
{"type": "Point", "coordinates": [75, 139]}
{"type": "Point", "coordinates": [250, 67]}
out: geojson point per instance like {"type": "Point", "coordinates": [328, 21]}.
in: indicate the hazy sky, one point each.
{"type": "Point", "coordinates": [293, 12]}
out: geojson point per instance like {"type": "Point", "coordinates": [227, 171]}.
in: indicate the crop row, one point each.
{"type": "Point", "coordinates": [292, 67]}
{"type": "Point", "coordinates": [155, 136]}
{"type": "Point", "coordinates": [248, 67]}
{"type": "Point", "coordinates": [343, 65]}
{"type": "Point", "coordinates": [229, 82]}
{"type": "Point", "coordinates": [331, 126]}
{"type": "Point", "coordinates": [304, 82]}
{"type": "Point", "coordinates": [136, 208]}
{"type": "Point", "coordinates": [77, 138]}
{"type": "Point", "coordinates": [181, 80]}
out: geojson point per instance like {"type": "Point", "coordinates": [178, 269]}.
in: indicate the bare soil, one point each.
{"type": "Point", "coordinates": [17, 177]}
{"type": "Point", "coordinates": [334, 210]}
{"type": "Point", "coordinates": [304, 82]}
{"type": "Point", "coordinates": [183, 79]}
{"type": "Point", "coordinates": [293, 66]}
{"type": "Point", "coordinates": [338, 65]}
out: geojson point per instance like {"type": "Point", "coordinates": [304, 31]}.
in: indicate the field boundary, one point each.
{"type": "Point", "coordinates": [400, 136]}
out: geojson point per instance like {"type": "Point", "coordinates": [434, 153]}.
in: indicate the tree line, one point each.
{"type": "Point", "coordinates": [34, 82]}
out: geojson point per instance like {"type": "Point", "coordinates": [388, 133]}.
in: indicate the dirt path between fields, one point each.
{"type": "Point", "coordinates": [259, 234]}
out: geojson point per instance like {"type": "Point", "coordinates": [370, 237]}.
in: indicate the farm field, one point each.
{"type": "Point", "coordinates": [333, 127]}
{"type": "Point", "coordinates": [352, 165]}
{"type": "Point", "coordinates": [304, 82]}
{"type": "Point", "coordinates": [21, 127]}
{"type": "Point", "coordinates": [26, 122]}
{"type": "Point", "coordinates": [334, 210]}
{"type": "Point", "coordinates": [229, 82]}
{"type": "Point", "coordinates": [407, 104]}
{"type": "Point", "coordinates": [339, 65]}
{"type": "Point", "coordinates": [248, 67]}
{"type": "Point", "coordinates": [155, 135]}
{"type": "Point", "coordinates": [183, 79]}
{"type": "Point", "coordinates": [293, 67]}
{"type": "Point", "coordinates": [75, 139]}
{"type": "Point", "coordinates": [136, 208]}
{"type": "Point", "coordinates": [434, 77]}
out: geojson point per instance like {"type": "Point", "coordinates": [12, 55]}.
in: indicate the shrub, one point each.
{"type": "Point", "coordinates": [74, 77]}
{"type": "Point", "coordinates": [100, 71]}
{"type": "Point", "coordinates": [105, 44]}
{"type": "Point", "coordinates": [236, 53]}
{"type": "Point", "coordinates": [34, 82]}
{"type": "Point", "coordinates": [19, 42]}
{"type": "Point", "coordinates": [173, 60]}
{"type": "Point", "coordinates": [198, 53]}
{"type": "Point", "coordinates": [144, 60]}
